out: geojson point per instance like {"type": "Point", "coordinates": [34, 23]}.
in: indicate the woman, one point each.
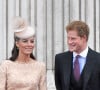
{"type": "Point", "coordinates": [22, 71]}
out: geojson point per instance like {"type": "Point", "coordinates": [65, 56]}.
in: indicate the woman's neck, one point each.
{"type": "Point", "coordinates": [23, 58]}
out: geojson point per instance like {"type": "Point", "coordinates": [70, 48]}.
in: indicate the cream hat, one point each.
{"type": "Point", "coordinates": [22, 29]}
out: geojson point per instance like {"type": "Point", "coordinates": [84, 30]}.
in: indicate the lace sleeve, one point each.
{"type": "Point", "coordinates": [42, 83]}
{"type": "Point", "coordinates": [2, 76]}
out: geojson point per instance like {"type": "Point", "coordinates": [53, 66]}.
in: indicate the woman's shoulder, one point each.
{"type": "Point", "coordinates": [5, 62]}
{"type": "Point", "coordinates": [41, 66]}
{"type": "Point", "coordinates": [4, 65]}
{"type": "Point", "coordinates": [40, 63]}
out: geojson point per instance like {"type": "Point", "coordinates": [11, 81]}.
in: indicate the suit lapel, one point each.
{"type": "Point", "coordinates": [88, 67]}
{"type": "Point", "coordinates": [67, 68]}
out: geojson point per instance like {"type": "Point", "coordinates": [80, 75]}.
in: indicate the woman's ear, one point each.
{"type": "Point", "coordinates": [17, 44]}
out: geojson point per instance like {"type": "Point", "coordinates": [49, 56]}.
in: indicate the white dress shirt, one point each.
{"type": "Point", "coordinates": [82, 58]}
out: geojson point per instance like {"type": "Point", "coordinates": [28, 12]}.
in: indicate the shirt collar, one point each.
{"type": "Point", "coordinates": [83, 53]}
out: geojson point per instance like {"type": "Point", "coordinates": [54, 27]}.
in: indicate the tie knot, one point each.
{"type": "Point", "coordinates": [77, 59]}
{"type": "Point", "coordinates": [77, 56]}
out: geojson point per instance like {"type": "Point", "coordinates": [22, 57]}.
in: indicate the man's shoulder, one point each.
{"type": "Point", "coordinates": [93, 52]}
{"type": "Point", "coordinates": [62, 57]}
{"type": "Point", "coordinates": [64, 53]}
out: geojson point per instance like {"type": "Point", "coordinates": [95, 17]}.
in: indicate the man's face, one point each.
{"type": "Point", "coordinates": [75, 42]}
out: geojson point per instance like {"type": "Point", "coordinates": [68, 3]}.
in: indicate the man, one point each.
{"type": "Point", "coordinates": [83, 72]}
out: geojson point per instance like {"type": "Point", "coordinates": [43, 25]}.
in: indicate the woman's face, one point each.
{"type": "Point", "coordinates": [25, 46]}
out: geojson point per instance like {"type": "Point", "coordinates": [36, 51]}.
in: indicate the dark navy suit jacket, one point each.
{"type": "Point", "coordinates": [63, 62]}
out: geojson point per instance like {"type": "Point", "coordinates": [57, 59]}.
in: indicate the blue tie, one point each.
{"type": "Point", "coordinates": [76, 68]}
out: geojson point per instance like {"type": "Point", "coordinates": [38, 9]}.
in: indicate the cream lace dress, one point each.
{"type": "Point", "coordinates": [22, 76]}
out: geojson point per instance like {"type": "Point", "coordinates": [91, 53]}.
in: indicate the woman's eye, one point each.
{"type": "Point", "coordinates": [24, 40]}
{"type": "Point", "coordinates": [32, 41]}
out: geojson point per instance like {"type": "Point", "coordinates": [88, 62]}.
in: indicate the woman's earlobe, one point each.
{"type": "Point", "coordinates": [17, 44]}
